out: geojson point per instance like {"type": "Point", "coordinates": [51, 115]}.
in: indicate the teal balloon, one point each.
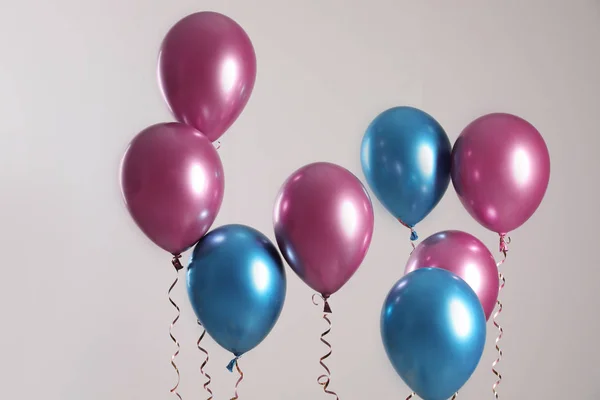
{"type": "Point", "coordinates": [236, 283]}
{"type": "Point", "coordinates": [406, 158]}
{"type": "Point", "coordinates": [433, 330]}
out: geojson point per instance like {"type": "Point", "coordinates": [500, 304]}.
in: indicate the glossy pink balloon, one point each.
{"type": "Point", "coordinates": [465, 256]}
{"type": "Point", "coordinates": [206, 71]}
{"type": "Point", "coordinates": [500, 170]}
{"type": "Point", "coordinates": [172, 183]}
{"type": "Point", "coordinates": [323, 225]}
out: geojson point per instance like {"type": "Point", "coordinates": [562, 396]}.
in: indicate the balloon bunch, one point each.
{"type": "Point", "coordinates": [172, 183]}
{"type": "Point", "coordinates": [433, 319]}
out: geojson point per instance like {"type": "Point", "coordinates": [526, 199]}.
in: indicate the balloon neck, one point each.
{"type": "Point", "coordinates": [413, 234]}
{"type": "Point", "coordinates": [504, 242]}
{"type": "Point", "coordinates": [176, 263]}
{"type": "Point", "coordinates": [232, 364]}
{"type": "Point", "coordinates": [326, 306]}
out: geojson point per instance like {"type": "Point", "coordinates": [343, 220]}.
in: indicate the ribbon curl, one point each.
{"type": "Point", "coordinates": [178, 267]}
{"type": "Point", "coordinates": [235, 363]}
{"type": "Point", "coordinates": [325, 379]}
{"type": "Point", "coordinates": [504, 242]}
{"type": "Point", "coordinates": [205, 374]}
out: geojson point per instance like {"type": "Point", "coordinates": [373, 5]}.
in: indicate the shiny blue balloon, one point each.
{"type": "Point", "coordinates": [236, 284]}
{"type": "Point", "coordinates": [405, 156]}
{"type": "Point", "coordinates": [433, 330]}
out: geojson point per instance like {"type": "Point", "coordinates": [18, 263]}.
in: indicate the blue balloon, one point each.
{"type": "Point", "coordinates": [236, 284]}
{"type": "Point", "coordinates": [405, 156]}
{"type": "Point", "coordinates": [433, 330]}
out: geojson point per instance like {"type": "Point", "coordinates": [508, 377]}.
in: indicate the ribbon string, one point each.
{"type": "Point", "coordinates": [178, 267]}
{"type": "Point", "coordinates": [204, 373]}
{"type": "Point", "coordinates": [235, 363]}
{"type": "Point", "coordinates": [504, 242]}
{"type": "Point", "coordinates": [413, 234]}
{"type": "Point", "coordinates": [413, 237]}
{"type": "Point", "coordinates": [325, 379]}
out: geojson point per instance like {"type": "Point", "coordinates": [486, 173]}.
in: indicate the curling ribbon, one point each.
{"type": "Point", "coordinates": [413, 234]}
{"type": "Point", "coordinates": [205, 374]}
{"type": "Point", "coordinates": [178, 267]}
{"type": "Point", "coordinates": [325, 379]}
{"type": "Point", "coordinates": [235, 363]}
{"type": "Point", "coordinates": [504, 242]}
{"type": "Point", "coordinates": [413, 237]}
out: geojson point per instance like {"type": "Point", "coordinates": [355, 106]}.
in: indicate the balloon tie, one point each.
{"type": "Point", "coordinates": [205, 374]}
{"type": "Point", "coordinates": [413, 234]}
{"type": "Point", "coordinates": [325, 379]}
{"type": "Point", "coordinates": [235, 363]}
{"type": "Point", "coordinates": [504, 242]}
{"type": "Point", "coordinates": [217, 145]}
{"type": "Point", "coordinates": [178, 267]}
{"type": "Point", "coordinates": [326, 306]}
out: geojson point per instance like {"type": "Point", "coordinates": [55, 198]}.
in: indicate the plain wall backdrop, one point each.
{"type": "Point", "coordinates": [84, 311]}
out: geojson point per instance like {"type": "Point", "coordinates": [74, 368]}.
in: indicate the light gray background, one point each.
{"type": "Point", "coordinates": [83, 294]}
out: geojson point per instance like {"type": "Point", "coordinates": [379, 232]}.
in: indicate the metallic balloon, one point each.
{"type": "Point", "coordinates": [433, 330]}
{"type": "Point", "coordinates": [500, 170]}
{"type": "Point", "coordinates": [323, 225]}
{"type": "Point", "coordinates": [406, 158]}
{"type": "Point", "coordinates": [236, 284]}
{"type": "Point", "coordinates": [206, 71]}
{"type": "Point", "coordinates": [172, 183]}
{"type": "Point", "coordinates": [465, 256]}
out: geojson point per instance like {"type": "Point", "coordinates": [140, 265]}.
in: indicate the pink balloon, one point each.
{"type": "Point", "coordinates": [172, 183]}
{"type": "Point", "coordinates": [465, 256]}
{"type": "Point", "coordinates": [323, 224]}
{"type": "Point", "coordinates": [500, 170]}
{"type": "Point", "coordinates": [206, 71]}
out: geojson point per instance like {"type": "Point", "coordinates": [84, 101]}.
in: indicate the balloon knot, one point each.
{"type": "Point", "coordinates": [413, 235]}
{"type": "Point", "coordinates": [232, 363]}
{"type": "Point", "coordinates": [326, 306]}
{"type": "Point", "coordinates": [504, 242]}
{"type": "Point", "coordinates": [176, 263]}
{"type": "Point", "coordinates": [325, 298]}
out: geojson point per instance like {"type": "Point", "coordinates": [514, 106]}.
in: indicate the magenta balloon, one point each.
{"type": "Point", "coordinates": [500, 170]}
{"type": "Point", "coordinates": [206, 71]}
{"type": "Point", "coordinates": [172, 183]}
{"type": "Point", "coordinates": [465, 256]}
{"type": "Point", "coordinates": [323, 224]}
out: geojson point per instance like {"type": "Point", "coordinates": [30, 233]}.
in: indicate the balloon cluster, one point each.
{"type": "Point", "coordinates": [433, 321]}
{"type": "Point", "coordinates": [172, 183]}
